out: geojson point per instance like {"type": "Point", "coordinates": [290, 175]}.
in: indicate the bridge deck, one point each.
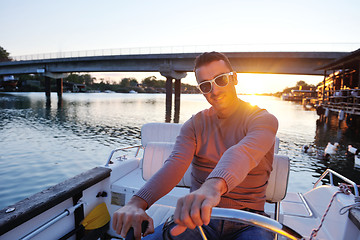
{"type": "Point", "coordinates": [304, 63]}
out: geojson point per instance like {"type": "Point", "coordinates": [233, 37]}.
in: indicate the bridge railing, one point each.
{"type": "Point", "coordinates": [272, 47]}
{"type": "Point", "coordinates": [112, 52]}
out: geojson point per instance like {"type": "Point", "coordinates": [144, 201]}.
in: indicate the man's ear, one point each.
{"type": "Point", "coordinates": [235, 78]}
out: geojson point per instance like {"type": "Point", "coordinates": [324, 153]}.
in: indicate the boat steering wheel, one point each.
{"type": "Point", "coordinates": [245, 217]}
{"type": "Point", "coordinates": [254, 220]}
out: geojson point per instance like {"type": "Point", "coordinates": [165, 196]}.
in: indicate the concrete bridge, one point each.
{"type": "Point", "coordinates": [303, 63]}
{"type": "Point", "coordinates": [172, 66]}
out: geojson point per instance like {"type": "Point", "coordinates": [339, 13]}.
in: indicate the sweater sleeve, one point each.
{"type": "Point", "coordinates": [241, 158]}
{"type": "Point", "coordinates": [174, 167]}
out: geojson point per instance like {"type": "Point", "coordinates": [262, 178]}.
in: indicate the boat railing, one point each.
{"type": "Point", "coordinates": [51, 222]}
{"type": "Point", "coordinates": [123, 149]}
{"type": "Point", "coordinates": [331, 173]}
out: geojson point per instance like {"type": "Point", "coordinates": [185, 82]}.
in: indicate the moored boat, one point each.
{"type": "Point", "coordinates": [57, 213]}
{"type": "Point", "coordinates": [286, 97]}
{"type": "Point", "coordinates": [8, 83]}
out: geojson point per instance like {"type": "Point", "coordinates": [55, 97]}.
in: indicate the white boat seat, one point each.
{"type": "Point", "coordinates": [159, 132]}
{"type": "Point", "coordinates": [276, 145]}
{"type": "Point", "coordinates": [278, 180]}
{"type": "Point", "coordinates": [156, 153]}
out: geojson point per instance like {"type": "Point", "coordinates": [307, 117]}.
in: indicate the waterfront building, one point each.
{"type": "Point", "coordinates": [340, 90]}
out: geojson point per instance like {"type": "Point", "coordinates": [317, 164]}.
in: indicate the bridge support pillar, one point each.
{"type": "Point", "coordinates": [167, 71]}
{"type": "Point", "coordinates": [168, 101]}
{"type": "Point", "coordinates": [177, 100]}
{"type": "Point", "coordinates": [59, 87]}
{"type": "Point", "coordinates": [59, 83]}
{"type": "Point", "coordinates": [47, 86]}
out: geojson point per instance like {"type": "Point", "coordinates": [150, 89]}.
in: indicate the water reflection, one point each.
{"type": "Point", "coordinates": [331, 130]}
{"type": "Point", "coordinates": [45, 142]}
{"type": "Point", "coordinates": [168, 114]}
{"type": "Point", "coordinates": [176, 113]}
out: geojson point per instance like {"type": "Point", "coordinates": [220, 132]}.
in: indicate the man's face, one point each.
{"type": "Point", "coordinates": [220, 97]}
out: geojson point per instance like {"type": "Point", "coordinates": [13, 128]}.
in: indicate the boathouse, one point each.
{"type": "Point", "coordinates": [340, 90]}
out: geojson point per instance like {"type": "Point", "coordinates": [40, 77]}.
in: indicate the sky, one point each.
{"type": "Point", "coordinates": [43, 26]}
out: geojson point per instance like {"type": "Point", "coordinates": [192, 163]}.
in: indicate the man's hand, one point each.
{"type": "Point", "coordinates": [132, 215]}
{"type": "Point", "coordinates": [195, 208]}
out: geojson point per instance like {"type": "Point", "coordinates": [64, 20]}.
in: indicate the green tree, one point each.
{"type": "Point", "coordinates": [80, 78]}
{"type": "Point", "coordinates": [133, 82]}
{"type": "Point", "coordinates": [125, 82]}
{"type": "Point", "coordinates": [301, 83]}
{"type": "Point", "coordinates": [24, 77]}
{"type": "Point", "coordinates": [75, 78]}
{"type": "Point", "coordinates": [4, 55]}
{"type": "Point", "coordinates": [149, 81]}
{"type": "Point", "coordinates": [153, 82]}
{"type": "Point", "coordinates": [88, 80]}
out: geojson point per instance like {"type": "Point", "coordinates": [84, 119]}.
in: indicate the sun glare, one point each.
{"type": "Point", "coordinates": [249, 83]}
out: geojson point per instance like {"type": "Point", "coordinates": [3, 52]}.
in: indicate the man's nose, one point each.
{"type": "Point", "coordinates": [215, 89]}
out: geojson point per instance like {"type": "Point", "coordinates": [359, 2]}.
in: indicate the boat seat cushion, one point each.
{"type": "Point", "coordinates": [276, 145]}
{"type": "Point", "coordinates": [159, 132]}
{"type": "Point", "coordinates": [278, 180]}
{"type": "Point", "coordinates": [156, 153]}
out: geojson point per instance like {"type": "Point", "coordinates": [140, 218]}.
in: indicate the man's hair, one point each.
{"type": "Point", "coordinates": [208, 57]}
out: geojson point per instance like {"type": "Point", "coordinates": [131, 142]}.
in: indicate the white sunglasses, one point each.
{"type": "Point", "coordinates": [222, 81]}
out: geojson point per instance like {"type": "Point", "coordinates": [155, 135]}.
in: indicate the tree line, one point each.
{"type": "Point", "coordinates": [36, 83]}
{"type": "Point", "coordinates": [147, 85]}
{"type": "Point", "coordinates": [302, 85]}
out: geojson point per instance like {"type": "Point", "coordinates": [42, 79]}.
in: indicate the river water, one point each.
{"type": "Point", "coordinates": [43, 143]}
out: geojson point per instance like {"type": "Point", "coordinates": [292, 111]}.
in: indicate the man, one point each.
{"type": "Point", "coordinates": [231, 149]}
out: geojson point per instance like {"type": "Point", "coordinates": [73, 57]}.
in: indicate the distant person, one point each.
{"type": "Point", "coordinates": [231, 149]}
